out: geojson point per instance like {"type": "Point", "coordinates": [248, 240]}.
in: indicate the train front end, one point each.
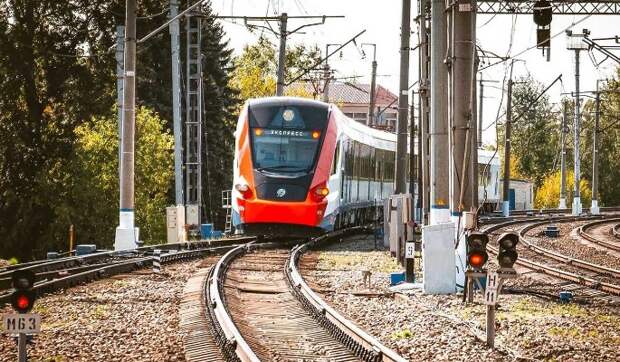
{"type": "Point", "coordinates": [284, 149]}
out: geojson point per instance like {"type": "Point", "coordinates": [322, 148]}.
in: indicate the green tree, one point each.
{"type": "Point", "coordinates": [548, 195]}
{"type": "Point", "coordinates": [255, 69]}
{"type": "Point", "coordinates": [92, 205]}
{"type": "Point", "coordinates": [535, 132]}
{"type": "Point", "coordinates": [609, 142]}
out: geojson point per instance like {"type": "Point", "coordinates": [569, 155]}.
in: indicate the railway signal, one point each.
{"type": "Point", "coordinates": [507, 254]}
{"type": "Point", "coordinates": [477, 250]}
{"type": "Point", "coordinates": [23, 297]}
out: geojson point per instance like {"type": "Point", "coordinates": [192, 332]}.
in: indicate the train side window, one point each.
{"type": "Point", "coordinates": [335, 163]}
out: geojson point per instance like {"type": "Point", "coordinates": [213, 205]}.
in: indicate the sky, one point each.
{"type": "Point", "coordinates": [381, 20]}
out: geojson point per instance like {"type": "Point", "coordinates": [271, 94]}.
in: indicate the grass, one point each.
{"type": "Point", "coordinates": [13, 261]}
{"type": "Point", "coordinates": [404, 334]}
{"type": "Point", "coordinates": [100, 312]}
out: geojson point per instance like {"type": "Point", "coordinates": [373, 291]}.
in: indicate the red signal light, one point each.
{"type": "Point", "coordinates": [23, 302]}
{"type": "Point", "coordinates": [476, 260]}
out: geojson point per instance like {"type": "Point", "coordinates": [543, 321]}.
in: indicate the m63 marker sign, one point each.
{"type": "Point", "coordinates": [21, 323]}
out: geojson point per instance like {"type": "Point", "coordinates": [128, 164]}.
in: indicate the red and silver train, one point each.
{"type": "Point", "coordinates": [302, 167]}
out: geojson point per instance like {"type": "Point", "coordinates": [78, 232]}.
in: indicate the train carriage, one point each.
{"type": "Point", "coordinates": [302, 167]}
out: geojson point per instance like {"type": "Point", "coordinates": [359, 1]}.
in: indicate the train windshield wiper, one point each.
{"type": "Point", "coordinates": [288, 168]}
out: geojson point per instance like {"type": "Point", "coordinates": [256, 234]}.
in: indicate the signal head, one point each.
{"type": "Point", "coordinates": [507, 254]}
{"type": "Point", "coordinates": [477, 250]}
{"type": "Point", "coordinates": [508, 241]}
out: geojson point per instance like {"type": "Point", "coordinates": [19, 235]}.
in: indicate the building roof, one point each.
{"type": "Point", "coordinates": [349, 93]}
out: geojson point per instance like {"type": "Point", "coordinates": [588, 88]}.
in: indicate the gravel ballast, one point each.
{"type": "Point", "coordinates": [129, 317]}
{"type": "Point", "coordinates": [424, 327]}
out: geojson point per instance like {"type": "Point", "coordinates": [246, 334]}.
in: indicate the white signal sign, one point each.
{"type": "Point", "coordinates": [409, 250]}
{"type": "Point", "coordinates": [490, 296]}
{"type": "Point", "coordinates": [492, 280]}
{"type": "Point", "coordinates": [21, 323]}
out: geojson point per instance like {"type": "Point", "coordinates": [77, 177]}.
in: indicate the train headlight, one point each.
{"type": "Point", "coordinates": [320, 192]}
{"type": "Point", "coordinates": [245, 190]}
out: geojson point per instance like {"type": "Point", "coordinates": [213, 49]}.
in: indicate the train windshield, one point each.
{"type": "Point", "coordinates": [285, 139]}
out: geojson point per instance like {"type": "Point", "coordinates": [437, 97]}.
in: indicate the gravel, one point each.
{"type": "Point", "coordinates": [427, 327]}
{"type": "Point", "coordinates": [129, 317]}
{"type": "Point", "coordinates": [568, 245]}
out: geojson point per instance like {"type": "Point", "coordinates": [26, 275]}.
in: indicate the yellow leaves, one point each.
{"type": "Point", "coordinates": [548, 195]}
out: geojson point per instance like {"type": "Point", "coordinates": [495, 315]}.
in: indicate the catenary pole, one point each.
{"type": "Point", "coordinates": [126, 233]}
{"type": "Point", "coordinates": [176, 104]}
{"type": "Point", "coordinates": [563, 131]}
{"type": "Point", "coordinates": [577, 132]}
{"type": "Point", "coordinates": [120, 57]}
{"type": "Point", "coordinates": [403, 100]}
{"type": "Point", "coordinates": [373, 86]}
{"type": "Point", "coordinates": [439, 155]}
{"type": "Point", "coordinates": [282, 54]}
{"type": "Point", "coordinates": [594, 208]}
{"type": "Point", "coordinates": [508, 132]}
{"type": "Point", "coordinates": [423, 138]}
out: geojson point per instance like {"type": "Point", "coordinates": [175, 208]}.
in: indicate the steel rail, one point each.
{"type": "Point", "coordinates": [609, 245]}
{"type": "Point", "coordinates": [361, 343]}
{"type": "Point", "coordinates": [114, 268]}
{"type": "Point", "coordinates": [548, 270]}
{"type": "Point", "coordinates": [227, 335]}
{"type": "Point", "coordinates": [579, 263]}
{"type": "Point", "coordinates": [42, 267]}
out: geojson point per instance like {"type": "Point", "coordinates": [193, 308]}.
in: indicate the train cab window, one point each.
{"type": "Point", "coordinates": [285, 138]}
{"type": "Point", "coordinates": [335, 163]}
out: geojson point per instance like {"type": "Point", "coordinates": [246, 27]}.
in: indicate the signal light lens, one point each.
{"type": "Point", "coordinates": [258, 131]}
{"type": "Point", "coordinates": [477, 260]}
{"type": "Point", "coordinates": [23, 302]}
{"type": "Point", "coordinates": [316, 134]}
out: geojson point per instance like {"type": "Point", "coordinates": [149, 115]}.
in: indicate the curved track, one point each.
{"type": "Point", "coordinates": [67, 272]}
{"type": "Point", "coordinates": [558, 265]}
{"type": "Point", "coordinates": [600, 232]}
{"type": "Point", "coordinates": [262, 309]}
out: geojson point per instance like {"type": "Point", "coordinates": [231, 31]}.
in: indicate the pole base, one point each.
{"type": "Point", "coordinates": [576, 206]}
{"type": "Point", "coordinates": [562, 204]}
{"type": "Point", "coordinates": [594, 209]}
{"type": "Point", "coordinates": [127, 235]}
{"type": "Point", "coordinates": [439, 216]}
{"type": "Point", "coordinates": [506, 208]}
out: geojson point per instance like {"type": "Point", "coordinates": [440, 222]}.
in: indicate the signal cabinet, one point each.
{"type": "Point", "coordinates": [438, 259]}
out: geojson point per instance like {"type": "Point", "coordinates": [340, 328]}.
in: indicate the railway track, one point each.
{"type": "Point", "coordinates": [261, 309]}
{"type": "Point", "coordinates": [599, 232]}
{"type": "Point", "coordinates": [52, 275]}
{"type": "Point", "coordinates": [569, 269]}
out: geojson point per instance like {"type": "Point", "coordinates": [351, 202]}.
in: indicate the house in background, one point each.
{"type": "Point", "coordinates": [354, 99]}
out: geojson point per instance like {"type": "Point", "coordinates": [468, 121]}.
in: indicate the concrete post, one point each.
{"type": "Point", "coordinates": [462, 123]}
{"type": "Point", "coordinates": [439, 150]}
{"type": "Point", "coordinates": [480, 111]}
{"type": "Point", "coordinates": [120, 55]}
{"type": "Point", "coordinates": [282, 55]}
{"type": "Point", "coordinates": [126, 233]}
{"type": "Point", "coordinates": [563, 157]}
{"type": "Point", "coordinates": [594, 209]}
{"type": "Point", "coordinates": [577, 129]}
{"type": "Point", "coordinates": [403, 101]}
{"type": "Point", "coordinates": [506, 187]}
{"type": "Point", "coordinates": [373, 85]}
{"type": "Point", "coordinates": [423, 137]}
